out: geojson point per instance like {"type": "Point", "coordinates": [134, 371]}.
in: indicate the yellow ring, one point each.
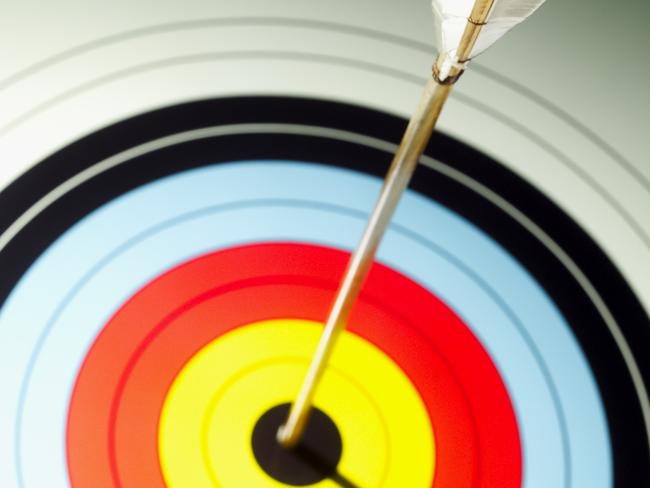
{"type": "Point", "coordinates": [213, 405]}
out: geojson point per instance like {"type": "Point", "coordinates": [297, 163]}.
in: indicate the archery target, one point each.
{"type": "Point", "coordinates": [241, 210]}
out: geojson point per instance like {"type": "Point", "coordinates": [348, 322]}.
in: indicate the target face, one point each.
{"type": "Point", "coordinates": [181, 290]}
{"type": "Point", "coordinates": [166, 275]}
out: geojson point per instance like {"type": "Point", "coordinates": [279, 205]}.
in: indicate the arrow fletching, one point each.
{"type": "Point", "coordinates": [451, 18]}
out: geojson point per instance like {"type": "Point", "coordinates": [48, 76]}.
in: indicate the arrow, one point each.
{"type": "Point", "coordinates": [464, 29]}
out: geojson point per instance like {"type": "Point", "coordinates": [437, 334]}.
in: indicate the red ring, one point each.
{"type": "Point", "coordinates": [114, 409]}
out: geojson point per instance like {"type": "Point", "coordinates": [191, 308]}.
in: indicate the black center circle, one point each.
{"type": "Point", "coordinates": [314, 459]}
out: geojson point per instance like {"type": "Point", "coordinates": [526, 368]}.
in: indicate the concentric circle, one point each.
{"type": "Point", "coordinates": [191, 305]}
{"type": "Point", "coordinates": [527, 320]}
{"type": "Point", "coordinates": [208, 418]}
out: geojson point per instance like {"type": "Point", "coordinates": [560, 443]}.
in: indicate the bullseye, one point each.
{"type": "Point", "coordinates": [151, 380]}
{"type": "Point", "coordinates": [314, 459]}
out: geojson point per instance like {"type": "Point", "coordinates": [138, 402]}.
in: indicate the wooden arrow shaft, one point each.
{"type": "Point", "coordinates": [399, 174]}
{"type": "Point", "coordinates": [413, 143]}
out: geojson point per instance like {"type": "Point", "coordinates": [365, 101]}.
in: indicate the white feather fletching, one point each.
{"type": "Point", "coordinates": [451, 19]}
